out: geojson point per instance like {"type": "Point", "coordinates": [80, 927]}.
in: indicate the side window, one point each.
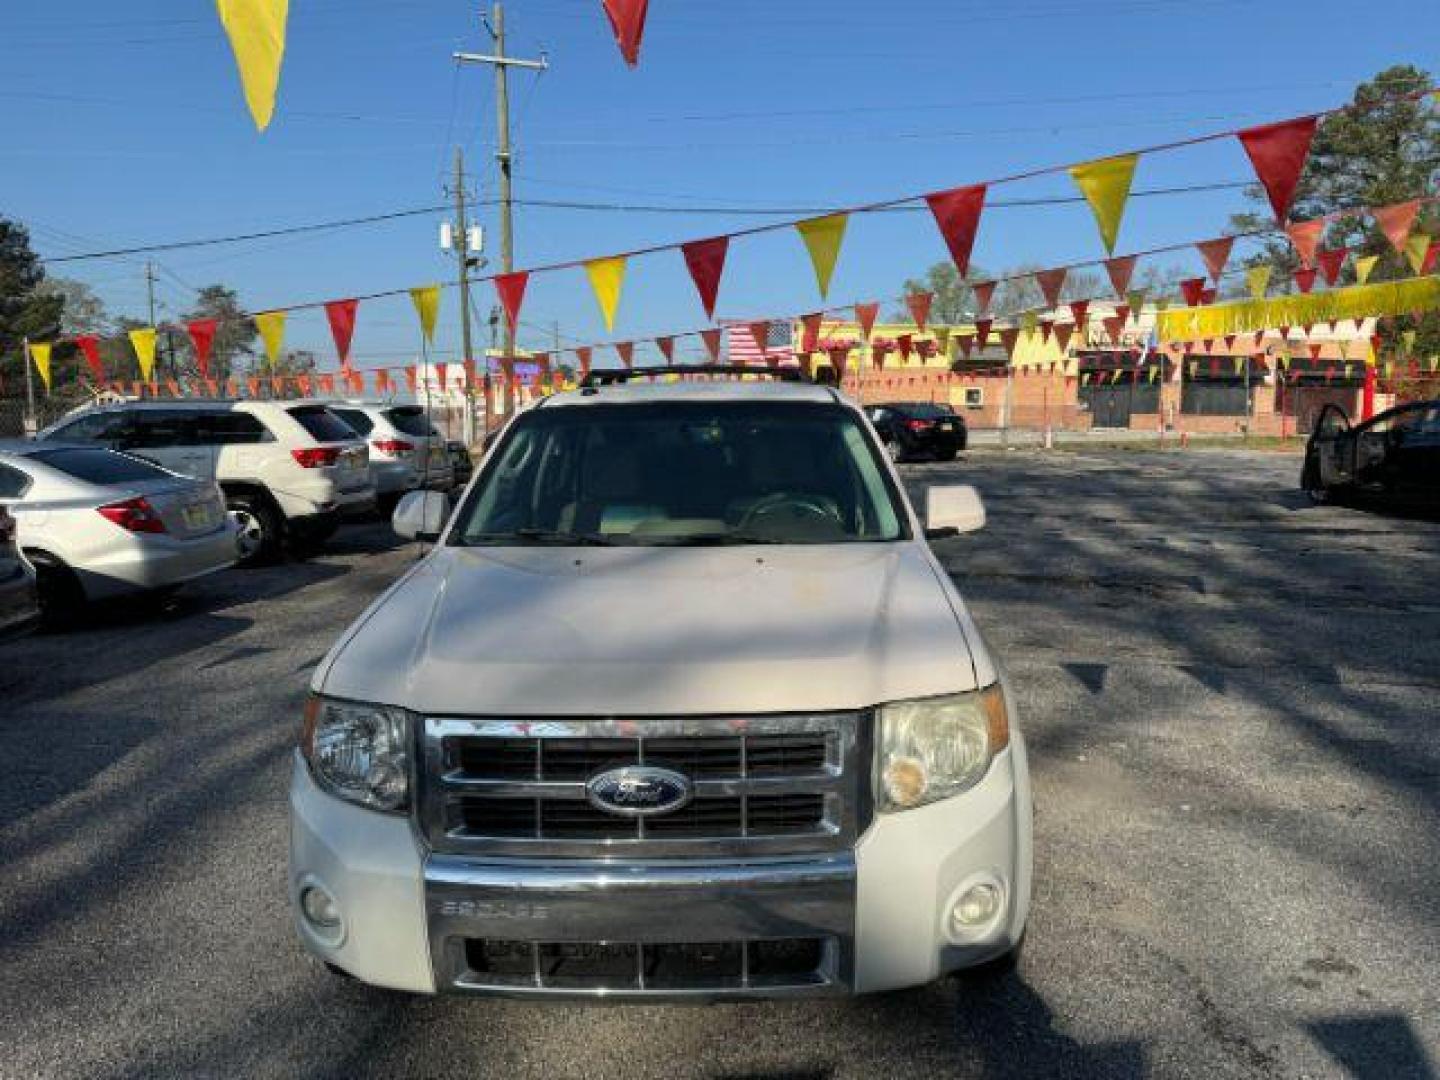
{"type": "Point", "coordinates": [231, 429]}
{"type": "Point", "coordinates": [96, 427]}
{"type": "Point", "coordinates": [158, 429]}
{"type": "Point", "coordinates": [362, 424]}
{"type": "Point", "coordinates": [13, 483]}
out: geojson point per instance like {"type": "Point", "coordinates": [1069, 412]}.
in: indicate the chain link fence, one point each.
{"type": "Point", "coordinates": [48, 409]}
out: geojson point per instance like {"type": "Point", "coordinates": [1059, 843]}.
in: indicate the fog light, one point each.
{"type": "Point", "coordinates": [976, 907]}
{"type": "Point", "coordinates": [319, 908]}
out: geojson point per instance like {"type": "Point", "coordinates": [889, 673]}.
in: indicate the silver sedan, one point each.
{"type": "Point", "coordinates": [98, 524]}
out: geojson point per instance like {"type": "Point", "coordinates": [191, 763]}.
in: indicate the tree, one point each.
{"type": "Point", "coordinates": [235, 336]}
{"type": "Point", "coordinates": [83, 311]}
{"type": "Point", "coordinates": [25, 311]}
{"type": "Point", "coordinates": [1384, 152]}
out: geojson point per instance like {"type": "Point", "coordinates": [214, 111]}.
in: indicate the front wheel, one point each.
{"type": "Point", "coordinates": [1314, 487]}
{"type": "Point", "coordinates": [257, 540]}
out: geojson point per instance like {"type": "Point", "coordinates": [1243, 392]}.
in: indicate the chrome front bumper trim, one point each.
{"type": "Point", "coordinates": [647, 904]}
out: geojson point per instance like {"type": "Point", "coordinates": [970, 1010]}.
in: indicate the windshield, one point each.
{"type": "Point", "coordinates": [688, 473]}
{"type": "Point", "coordinates": [927, 411]}
{"type": "Point", "coordinates": [322, 424]}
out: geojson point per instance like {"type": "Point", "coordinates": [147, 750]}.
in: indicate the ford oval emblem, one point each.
{"type": "Point", "coordinates": [639, 791]}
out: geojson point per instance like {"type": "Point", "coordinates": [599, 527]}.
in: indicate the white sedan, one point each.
{"type": "Point", "coordinates": [98, 524]}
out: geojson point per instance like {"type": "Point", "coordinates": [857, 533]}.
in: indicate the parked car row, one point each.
{"type": "Point", "coordinates": [143, 496]}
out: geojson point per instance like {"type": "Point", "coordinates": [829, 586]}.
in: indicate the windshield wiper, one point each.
{"type": "Point", "coordinates": [541, 537]}
{"type": "Point", "coordinates": [730, 539]}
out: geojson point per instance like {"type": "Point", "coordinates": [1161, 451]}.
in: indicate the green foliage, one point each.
{"type": "Point", "coordinates": [25, 310]}
{"type": "Point", "coordinates": [235, 338]}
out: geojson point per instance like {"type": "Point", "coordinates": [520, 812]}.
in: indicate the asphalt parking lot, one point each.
{"type": "Point", "coordinates": [1232, 702]}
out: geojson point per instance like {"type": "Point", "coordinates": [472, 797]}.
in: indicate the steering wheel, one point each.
{"type": "Point", "coordinates": [797, 506]}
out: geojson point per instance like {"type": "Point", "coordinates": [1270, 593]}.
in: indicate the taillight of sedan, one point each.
{"type": "Point", "coordinates": [134, 515]}
{"type": "Point", "coordinates": [919, 425]}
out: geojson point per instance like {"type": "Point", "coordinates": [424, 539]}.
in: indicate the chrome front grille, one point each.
{"type": "Point", "coordinates": [762, 785]}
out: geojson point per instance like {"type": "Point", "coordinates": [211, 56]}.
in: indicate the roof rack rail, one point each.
{"type": "Point", "coordinates": [615, 376]}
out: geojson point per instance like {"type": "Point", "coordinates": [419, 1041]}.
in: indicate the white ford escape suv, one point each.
{"type": "Point", "coordinates": [680, 705]}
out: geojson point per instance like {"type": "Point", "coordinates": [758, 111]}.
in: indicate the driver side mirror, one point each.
{"type": "Point", "coordinates": [950, 511]}
{"type": "Point", "coordinates": [421, 516]}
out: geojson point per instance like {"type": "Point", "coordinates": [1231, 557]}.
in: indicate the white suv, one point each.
{"type": "Point", "coordinates": [680, 705]}
{"type": "Point", "coordinates": [290, 470]}
{"type": "Point", "coordinates": [406, 452]}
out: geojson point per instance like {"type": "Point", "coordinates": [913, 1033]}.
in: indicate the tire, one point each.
{"type": "Point", "coordinates": [62, 598]}
{"type": "Point", "coordinates": [260, 529]}
{"type": "Point", "coordinates": [311, 538]}
{"type": "Point", "coordinates": [1318, 493]}
{"type": "Point", "coordinates": [385, 505]}
{"type": "Point", "coordinates": [946, 455]}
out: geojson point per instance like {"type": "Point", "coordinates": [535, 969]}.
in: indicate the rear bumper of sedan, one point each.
{"type": "Point", "coordinates": [140, 562]}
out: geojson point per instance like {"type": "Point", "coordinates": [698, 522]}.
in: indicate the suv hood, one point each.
{"type": "Point", "coordinates": [656, 631]}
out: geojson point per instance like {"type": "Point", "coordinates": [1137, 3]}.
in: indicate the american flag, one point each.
{"type": "Point", "coordinates": [744, 346]}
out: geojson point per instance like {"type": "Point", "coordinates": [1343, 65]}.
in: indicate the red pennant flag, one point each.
{"type": "Point", "coordinates": [1120, 271]}
{"type": "Point", "coordinates": [712, 344]}
{"type": "Point", "coordinates": [1192, 289]}
{"type": "Point", "coordinates": [410, 378]}
{"type": "Point", "coordinates": [1113, 327]}
{"type": "Point", "coordinates": [1063, 331]}
{"type": "Point", "coordinates": [1278, 152]}
{"type": "Point", "coordinates": [212, 387]}
{"type": "Point", "coordinates": [1259, 336]}
{"type": "Point", "coordinates": [202, 338]}
{"type": "Point", "coordinates": [511, 290]}
{"type": "Point", "coordinates": [441, 370]}
{"type": "Point", "coordinates": [666, 345]}
{"type": "Point", "coordinates": [172, 387]}
{"type": "Point", "coordinates": [1122, 312]}
{"type": "Point", "coordinates": [984, 293]}
{"type": "Point", "coordinates": [1229, 342]}
{"type": "Point", "coordinates": [957, 213]}
{"type": "Point", "coordinates": [1315, 351]}
{"type": "Point", "coordinates": [1080, 312]}
{"type": "Point", "coordinates": [1305, 235]}
{"type": "Point", "coordinates": [232, 388]}
{"type": "Point", "coordinates": [1397, 221]}
{"type": "Point", "coordinates": [1432, 256]}
{"type": "Point", "coordinates": [583, 355]}
{"type": "Point", "coordinates": [626, 352]}
{"type": "Point", "coordinates": [878, 352]}
{"type": "Point", "coordinates": [706, 262]}
{"type": "Point", "coordinates": [982, 331]}
{"type": "Point", "coordinates": [90, 346]}
{"type": "Point", "coordinates": [627, 20]}
{"type": "Point", "coordinates": [327, 385]}
{"type": "Point", "coordinates": [967, 343]}
{"type": "Point", "coordinates": [1305, 279]}
{"type": "Point", "coordinates": [907, 345]}
{"type": "Point", "coordinates": [1331, 262]}
{"type": "Point", "coordinates": [1051, 282]}
{"type": "Point", "coordinates": [341, 314]}
{"type": "Point", "coordinates": [1207, 296]}
{"type": "Point", "coordinates": [1008, 338]}
{"type": "Point", "coordinates": [919, 304]}
{"type": "Point", "coordinates": [1046, 327]}
{"type": "Point", "coordinates": [277, 385]}
{"type": "Point", "coordinates": [1216, 254]}
{"type": "Point", "coordinates": [839, 357]}
{"type": "Point", "coordinates": [865, 315]}
{"type": "Point", "coordinates": [810, 339]}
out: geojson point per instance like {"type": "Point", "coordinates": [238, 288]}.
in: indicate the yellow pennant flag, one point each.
{"type": "Point", "coordinates": [1106, 187]}
{"type": "Point", "coordinates": [1364, 266]}
{"type": "Point", "coordinates": [1258, 278]}
{"type": "Point", "coordinates": [823, 237]}
{"type": "Point", "coordinates": [143, 342]}
{"type": "Point", "coordinates": [427, 306]}
{"type": "Point", "coordinates": [607, 276]}
{"type": "Point", "coordinates": [40, 357]}
{"type": "Point", "coordinates": [256, 29]}
{"type": "Point", "coordinates": [271, 325]}
{"type": "Point", "coordinates": [1416, 248]}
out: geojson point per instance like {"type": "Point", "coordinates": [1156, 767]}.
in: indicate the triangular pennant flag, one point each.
{"type": "Point", "coordinates": [1278, 153]}
{"type": "Point", "coordinates": [90, 347]}
{"type": "Point", "coordinates": [607, 278]}
{"type": "Point", "coordinates": [626, 351]}
{"type": "Point", "coordinates": [1416, 248]}
{"type": "Point", "coordinates": [1047, 326]}
{"type": "Point", "coordinates": [957, 213]}
{"type": "Point", "coordinates": [327, 384]}
{"type": "Point", "coordinates": [1207, 296]}
{"type": "Point", "coordinates": [271, 325]}
{"type": "Point", "coordinates": [865, 315]}
{"type": "Point", "coordinates": [426, 299]}
{"type": "Point", "coordinates": [1216, 254]}
{"type": "Point", "coordinates": [984, 294]}
{"type": "Point", "coordinates": [982, 331]}
{"type": "Point", "coordinates": [705, 259]}
{"type": "Point", "coordinates": [1121, 270]}
{"type": "Point", "coordinates": [202, 339]}
{"type": "Point", "coordinates": [256, 29]}
{"type": "Point", "coordinates": [666, 345]}
{"type": "Point", "coordinates": [711, 338]}
{"type": "Point", "coordinates": [1305, 235]}
{"type": "Point", "coordinates": [919, 304]}
{"type": "Point", "coordinates": [1331, 262]}
{"type": "Point", "coordinates": [1080, 312]}
{"type": "Point", "coordinates": [1051, 282]}
{"type": "Point", "coordinates": [878, 352]}
{"type": "Point", "coordinates": [1193, 289]}
{"type": "Point", "coordinates": [839, 358]}
{"type": "Point", "coordinates": [1062, 335]}
{"type": "Point", "coordinates": [823, 237]}
{"type": "Point", "coordinates": [967, 344]}
{"type": "Point", "coordinates": [1123, 313]}
{"type": "Point", "coordinates": [40, 357]}
{"type": "Point", "coordinates": [1397, 221]}
{"type": "Point", "coordinates": [1114, 325]}
{"type": "Point", "coordinates": [627, 20]}
{"type": "Point", "coordinates": [1257, 278]}
{"type": "Point", "coordinates": [583, 355]}
{"type": "Point", "coordinates": [1009, 337]}
{"type": "Point", "coordinates": [1315, 351]}
{"type": "Point", "coordinates": [1106, 187]}
{"type": "Point", "coordinates": [760, 332]}
{"type": "Point", "coordinates": [906, 342]}
{"type": "Point", "coordinates": [1432, 256]}
{"type": "Point", "coordinates": [143, 342]}
{"type": "Point", "coordinates": [252, 384]}
{"type": "Point", "coordinates": [341, 315]}
{"type": "Point", "coordinates": [810, 339]}
{"type": "Point", "coordinates": [511, 290]}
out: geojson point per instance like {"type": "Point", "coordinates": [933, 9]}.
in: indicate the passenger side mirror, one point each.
{"type": "Point", "coordinates": [421, 516]}
{"type": "Point", "coordinates": [952, 510]}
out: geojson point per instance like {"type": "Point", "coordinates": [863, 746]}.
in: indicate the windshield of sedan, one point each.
{"type": "Point", "coordinates": [683, 473]}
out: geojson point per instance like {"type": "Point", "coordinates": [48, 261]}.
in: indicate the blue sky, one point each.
{"type": "Point", "coordinates": [124, 124]}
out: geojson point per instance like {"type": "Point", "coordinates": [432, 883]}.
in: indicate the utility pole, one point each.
{"type": "Point", "coordinates": [463, 257]}
{"type": "Point", "coordinates": [502, 154]}
{"type": "Point", "coordinates": [31, 423]}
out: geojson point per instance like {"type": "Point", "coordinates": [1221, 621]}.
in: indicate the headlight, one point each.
{"type": "Point", "coordinates": [937, 747]}
{"type": "Point", "coordinates": [359, 752]}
